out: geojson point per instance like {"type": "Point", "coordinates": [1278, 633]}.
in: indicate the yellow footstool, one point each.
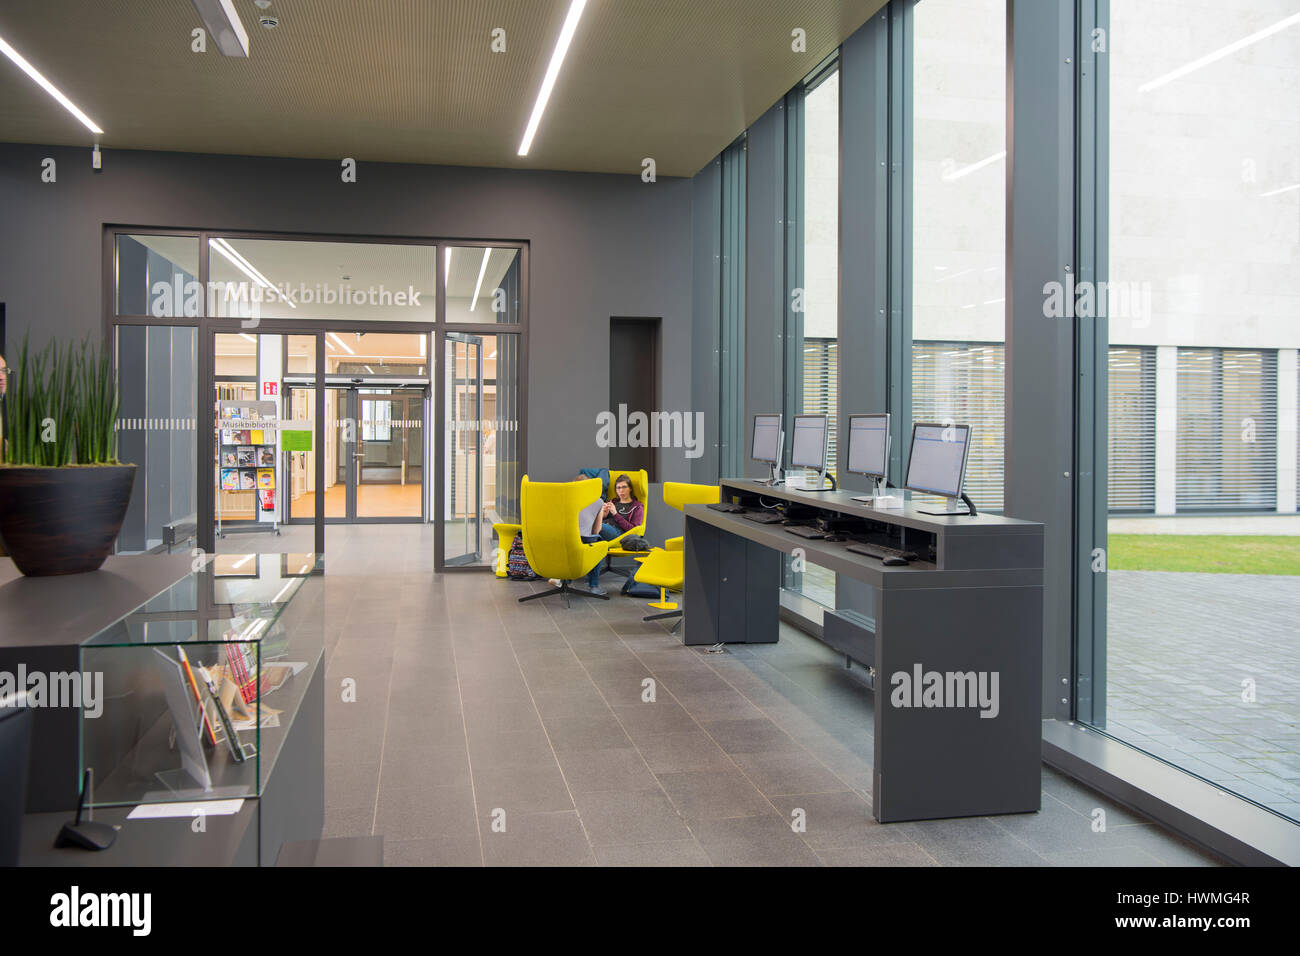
{"type": "Point", "coordinates": [505, 537]}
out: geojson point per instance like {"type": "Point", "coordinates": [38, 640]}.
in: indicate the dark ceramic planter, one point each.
{"type": "Point", "coordinates": [62, 520]}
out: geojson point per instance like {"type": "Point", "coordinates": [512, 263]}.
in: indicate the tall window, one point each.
{"type": "Point", "coordinates": [958, 229]}
{"type": "Point", "coordinates": [812, 272]}
{"type": "Point", "coordinates": [819, 356]}
{"type": "Point", "coordinates": [1193, 647]}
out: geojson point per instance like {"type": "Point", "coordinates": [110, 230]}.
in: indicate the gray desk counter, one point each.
{"type": "Point", "coordinates": [955, 644]}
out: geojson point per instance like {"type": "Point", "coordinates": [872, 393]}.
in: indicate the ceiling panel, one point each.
{"type": "Point", "coordinates": [415, 80]}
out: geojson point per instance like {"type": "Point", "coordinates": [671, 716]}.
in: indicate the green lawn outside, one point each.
{"type": "Point", "coordinates": [1212, 553]}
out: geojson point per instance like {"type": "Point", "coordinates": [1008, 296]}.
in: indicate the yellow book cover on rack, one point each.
{"type": "Point", "coordinates": [265, 478]}
{"type": "Point", "coordinates": [255, 437]}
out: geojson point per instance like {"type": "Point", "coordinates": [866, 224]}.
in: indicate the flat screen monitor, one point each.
{"type": "Point", "coordinates": [808, 449]}
{"type": "Point", "coordinates": [869, 444]}
{"type": "Point", "coordinates": [767, 439]}
{"type": "Point", "coordinates": [937, 462]}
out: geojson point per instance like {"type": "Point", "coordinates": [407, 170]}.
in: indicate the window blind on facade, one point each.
{"type": "Point", "coordinates": [965, 383]}
{"type": "Point", "coordinates": [1227, 429]}
{"type": "Point", "coordinates": [1131, 433]}
{"type": "Point", "coordinates": [821, 388]}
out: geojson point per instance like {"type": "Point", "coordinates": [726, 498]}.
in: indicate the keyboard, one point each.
{"type": "Point", "coordinates": [728, 507]}
{"type": "Point", "coordinates": [806, 531]}
{"type": "Point", "coordinates": [882, 552]}
{"type": "Point", "coordinates": [765, 517]}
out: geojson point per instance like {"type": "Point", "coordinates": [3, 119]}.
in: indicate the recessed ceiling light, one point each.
{"type": "Point", "coordinates": [223, 23]}
{"type": "Point", "coordinates": [49, 87]}
{"type": "Point", "coordinates": [552, 72]}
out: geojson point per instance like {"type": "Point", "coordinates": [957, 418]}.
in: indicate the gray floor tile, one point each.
{"type": "Point", "coordinates": [536, 839]}
{"type": "Point", "coordinates": [620, 768]}
{"type": "Point", "coordinates": [675, 853]}
{"type": "Point", "coordinates": [753, 841]}
{"type": "Point", "coordinates": [972, 841]}
{"type": "Point", "coordinates": [692, 750]}
{"type": "Point", "coordinates": [616, 817]}
{"type": "Point", "coordinates": [530, 789]}
{"type": "Point", "coordinates": [424, 813]}
{"type": "Point", "coordinates": [713, 794]}
{"type": "Point", "coordinates": [884, 854]}
{"type": "Point", "coordinates": [789, 772]}
{"type": "Point", "coordinates": [749, 736]}
{"type": "Point", "coordinates": [460, 850]}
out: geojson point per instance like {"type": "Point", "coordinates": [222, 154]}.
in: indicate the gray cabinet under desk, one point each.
{"type": "Point", "coordinates": [956, 637]}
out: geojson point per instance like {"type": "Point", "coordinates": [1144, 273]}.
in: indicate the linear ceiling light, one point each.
{"type": "Point", "coordinates": [479, 284]}
{"type": "Point", "coordinates": [48, 87]}
{"type": "Point", "coordinates": [1278, 192]}
{"type": "Point", "coordinates": [223, 23]}
{"type": "Point", "coordinates": [973, 167]}
{"type": "Point", "coordinates": [247, 268]}
{"type": "Point", "coordinates": [1219, 54]}
{"type": "Point", "coordinates": [552, 71]}
{"type": "Point", "coordinates": [343, 345]}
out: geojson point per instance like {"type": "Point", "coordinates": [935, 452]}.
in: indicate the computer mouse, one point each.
{"type": "Point", "coordinates": [893, 562]}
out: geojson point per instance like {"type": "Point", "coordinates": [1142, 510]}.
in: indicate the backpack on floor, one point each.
{"type": "Point", "coordinates": [634, 588]}
{"type": "Point", "coordinates": [517, 568]}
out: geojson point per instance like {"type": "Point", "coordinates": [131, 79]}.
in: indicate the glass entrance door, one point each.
{"type": "Point", "coordinates": [374, 453]}
{"type": "Point", "coordinates": [464, 528]}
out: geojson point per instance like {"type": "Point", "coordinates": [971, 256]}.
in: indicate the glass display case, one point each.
{"type": "Point", "coordinates": [199, 686]}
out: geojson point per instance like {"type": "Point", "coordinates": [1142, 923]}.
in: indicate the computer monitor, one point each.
{"type": "Point", "coordinates": [937, 462]}
{"type": "Point", "coordinates": [808, 448]}
{"type": "Point", "coordinates": [766, 445]}
{"type": "Point", "coordinates": [869, 445]}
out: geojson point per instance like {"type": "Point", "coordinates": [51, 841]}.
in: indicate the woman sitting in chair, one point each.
{"type": "Point", "coordinates": [618, 516]}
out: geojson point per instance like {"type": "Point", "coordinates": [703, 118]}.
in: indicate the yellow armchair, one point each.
{"type": "Point", "coordinates": [641, 491]}
{"type": "Point", "coordinates": [679, 494]}
{"type": "Point", "coordinates": [548, 515]}
{"type": "Point", "coordinates": [666, 568]}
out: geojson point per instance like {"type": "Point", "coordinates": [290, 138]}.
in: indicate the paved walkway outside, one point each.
{"type": "Point", "coordinates": [1207, 524]}
{"type": "Point", "coordinates": [1180, 647]}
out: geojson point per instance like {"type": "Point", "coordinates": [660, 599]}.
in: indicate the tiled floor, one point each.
{"type": "Point", "coordinates": [486, 731]}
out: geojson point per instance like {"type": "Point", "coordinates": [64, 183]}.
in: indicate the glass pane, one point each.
{"type": "Point", "coordinates": [340, 437]}
{"type": "Point", "coordinates": [292, 279]}
{"type": "Point", "coordinates": [481, 480]}
{"type": "Point", "coordinates": [390, 453]}
{"type": "Point", "coordinates": [252, 464]}
{"type": "Point", "coordinates": [958, 230]}
{"type": "Point", "coordinates": [816, 327]}
{"type": "Point", "coordinates": [301, 355]}
{"type": "Point", "coordinates": [158, 276]}
{"type": "Point", "coordinates": [1196, 651]}
{"type": "Point", "coordinates": [156, 374]}
{"type": "Point", "coordinates": [364, 355]}
{"type": "Point", "coordinates": [483, 284]}
{"type": "Point", "coordinates": [301, 465]}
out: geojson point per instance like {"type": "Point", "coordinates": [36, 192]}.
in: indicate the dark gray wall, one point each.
{"type": "Point", "coordinates": [764, 275]}
{"type": "Point", "coordinates": [601, 246]}
{"type": "Point", "coordinates": [1040, 350]}
{"type": "Point", "coordinates": [706, 305]}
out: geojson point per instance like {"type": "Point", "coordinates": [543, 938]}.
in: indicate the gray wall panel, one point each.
{"type": "Point", "coordinates": [601, 245]}
{"type": "Point", "coordinates": [1040, 350]}
{"type": "Point", "coordinates": [706, 303]}
{"type": "Point", "coordinates": [764, 282]}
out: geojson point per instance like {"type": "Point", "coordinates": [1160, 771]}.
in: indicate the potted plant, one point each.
{"type": "Point", "coordinates": [63, 493]}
